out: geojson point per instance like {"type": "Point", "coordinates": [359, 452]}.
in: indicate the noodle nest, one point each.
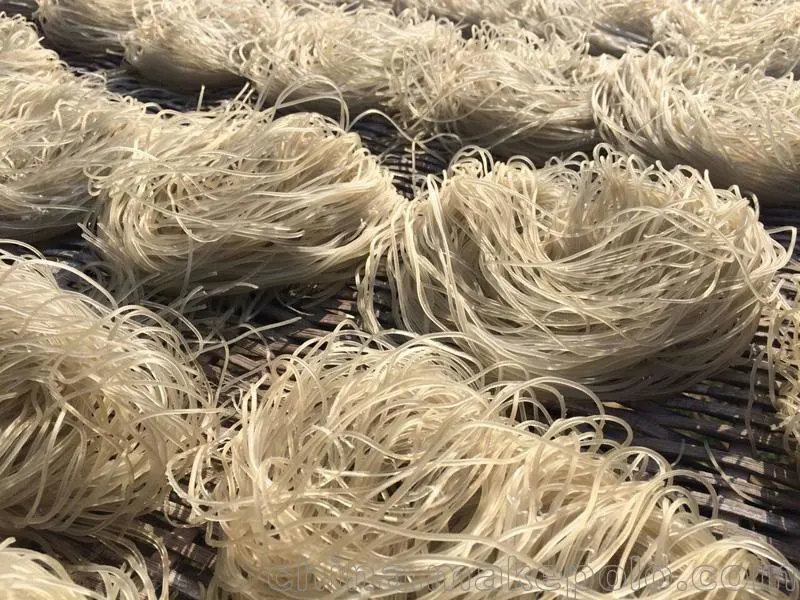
{"type": "Point", "coordinates": [761, 34]}
{"type": "Point", "coordinates": [89, 27]}
{"type": "Point", "coordinates": [234, 198]}
{"type": "Point", "coordinates": [366, 469]}
{"type": "Point", "coordinates": [740, 125]}
{"type": "Point", "coordinates": [96, 401]}
{"type": "Point", "coordinates": [629, 279]}
{"type": "Point", "coordinates": [503, 88]}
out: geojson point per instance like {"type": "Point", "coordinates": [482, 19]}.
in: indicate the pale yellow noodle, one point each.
{"type": "Point", "coordinates": [234, 199]}
{"type": "Point", "coordinates": [361, 468]}
{"type": "Point", "coordinates": [738, 123]}
{"type": "Point", "coordinates": [96, 400]}
{"type": "Point", "coordinates": [629, 279]}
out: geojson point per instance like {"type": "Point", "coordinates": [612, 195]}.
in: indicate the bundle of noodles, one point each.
{"type": "Point", "coordinates": [783, 354]}
{"type": "Point", "coordinates": [96, 401]}
{"type": "Point", "coordinates": [234, 197]}
{"type": "Point", "coordinates": [395, 472]}
{"type": "Point", "coordinates": [629, 279]}
{"type": "Point", "coordinates": [54, 127]}
{"type": "Point", "coordinates": [52, 133]}
{"type": "Point", "coordinates": [503, 88]}
{"type": "Point", "coordinates": [28, 574]}
{"type": "Point", "coordinates": [739, 124]}
{"type": "Point", "coordinates": [88, 27]}
{"type": "Point", "coordinates": [762, 34]}
{"type": "Point", "coordinates": [611, 25]}
{"type": "Point", "coordinates": [21, 54]}
{"type": "Point", "coordinates": [567, 18]}
{"type": "Point", "coordinates": [621, 25]}
{"type": "Point", "coordinates": [332, 53]}
{"type": "Point", "coordinates": [186, 44]}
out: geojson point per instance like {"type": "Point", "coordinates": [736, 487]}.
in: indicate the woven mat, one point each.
{"type": "Point", "coordinates": [706, 430]}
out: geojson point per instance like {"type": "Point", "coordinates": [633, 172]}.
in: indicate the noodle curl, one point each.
{"type": "Point", "coordinates": [629, 279]}
{"type": "Point", "coordinates": [235, 198]}
{"type": "Point", "coordinates": [96, 401]}
{"type": "Point", "coordinates": [362, 469]}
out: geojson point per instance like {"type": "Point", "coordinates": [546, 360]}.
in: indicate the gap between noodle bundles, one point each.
{"type": "Point", "coordinates": [627, 278]}
{"type": "Point", "coordinates": [359, 467]}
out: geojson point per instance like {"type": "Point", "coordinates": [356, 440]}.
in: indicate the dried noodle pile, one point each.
{"type": "Point", "coordinates": [397, 472]}
{"type": "Point", "coordinates": [739, 124]}
{"type": "Point", "coordinates": [97, 399]}
{"type": "Point", "coordinates": [765, 34]}
{"type": "Point", "coordinates": [503, 88]}
{"type": "Point", "coordinates": [27, 574]}
{"type": "Point", "coordinates": [54, 129]}
{"type": "Point", "coordinates": [630, 279]}
{"type": "Point", "coordinates": [234, 198]}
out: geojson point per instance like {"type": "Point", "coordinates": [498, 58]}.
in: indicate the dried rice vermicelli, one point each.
{"type": "Point", "coordinates": [503, 88]}
{"type": "Point", "coordinates": [739, 124]}
{"type": "Point", "coordinates": [54, 127]}
{"type": "Point", "coordinates": [185, 44]}
{"type": "Point", "coordinates": [51, 135]}
{"type": "Point", "coordinates": [96, 400]}
{"type": "Point", "coordinates": [30, 575]}
{"type": "Point", "coordinates": [754, 32]}
{"type": "Point", "coordinates": [22, 54]}
{"type": "Point", "coordinates": [568, 18]}
{"type": "Point", "coordinates": [783, 355]}
{"type": "Point", "coordinates": [234, 198]}
{"type": "Point", "coordinates": [90, 27]}
{"type": "Point", "coordinates": [625, 24]}
{"type": "Point", "coordinates": [629, 279]}
{"type": "Point", "coordinates": [329, 52]}
{"type": "Point", "coordinates": [383, 472]}
{"type": "Point", "coordinates": [611, 25]}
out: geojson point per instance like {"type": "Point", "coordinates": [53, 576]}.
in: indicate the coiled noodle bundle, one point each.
{"type": "Point", "coordinates": [234, 197]}
{"type": "Point", "coordinates": [740, 125]}
{"type": "Point", "coordinates": [326, 53]}
{"type": "Point", "coordinates": [630, 279]}
{"type": "Point", "coordinates": [27, 574]}
{"type": "Point", "coordinates": [394, 471]}
{"type": "Point", "coordinates": [503, 88]}
{"type": "Point", "coordinates": [186, 44]}
{"type": "Point", "coordinates": [90, 27]}
{"type": "Point", "coordinates": [96, 401]}
{"type": "Point", "coordinates": [54, 129]}
{"type": "Point", "coordinates": [756, 33]}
